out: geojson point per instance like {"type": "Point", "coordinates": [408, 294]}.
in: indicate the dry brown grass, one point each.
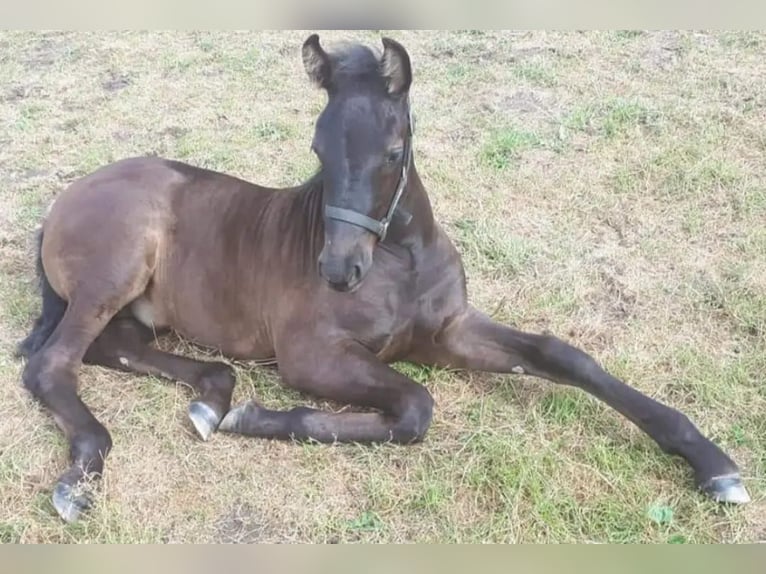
{"type": "Point", "coordinates": [608, 187]}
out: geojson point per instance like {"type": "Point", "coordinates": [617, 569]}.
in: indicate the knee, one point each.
{"type": "Point", "coordinates": [415, 417]}
{"type": "Point", "coordinates": [563, 360]}
{"type": "Point", "coordinates": [219, 376]}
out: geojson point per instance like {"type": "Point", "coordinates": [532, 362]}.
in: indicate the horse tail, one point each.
{"type": "Point", "coordinates": [53, 308]}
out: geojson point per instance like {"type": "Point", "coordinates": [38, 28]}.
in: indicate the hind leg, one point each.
{"type": "Point", "coordinates": [124, 345]}
{"type": "Point", "coordinates": [51, 377]}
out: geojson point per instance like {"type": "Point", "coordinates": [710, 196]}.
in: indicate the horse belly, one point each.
{"type": "Point", "coordinates": [206, 319]}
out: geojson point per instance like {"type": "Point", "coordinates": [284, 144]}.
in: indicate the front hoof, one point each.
{"type": "Point", "coordinates": [727, 488]}
{"type": "Point", "coordinates": [70, 501]}
{"type": "Point", "coordinates": [204, 419]}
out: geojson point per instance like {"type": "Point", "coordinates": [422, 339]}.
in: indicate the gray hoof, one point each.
{"type": "Point", "coordinates": [69, 503]}
{"type": "Point", "coordinates": [231, 421]}
{"type": "Point", "coordinates": [204, 419]}
{"type": "Point", "coordinates": [727, 489]}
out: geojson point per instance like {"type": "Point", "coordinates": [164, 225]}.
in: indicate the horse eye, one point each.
{"type": "Point", "coordinates": [394, 156]}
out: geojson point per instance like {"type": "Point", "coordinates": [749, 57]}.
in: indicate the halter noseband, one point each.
{"type": "Point", "coordinates": [380, 226]}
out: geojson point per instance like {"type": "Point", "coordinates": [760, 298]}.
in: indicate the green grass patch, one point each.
{"type": "Point", "coordinates": [272, 131]}
{"type": "Point", "coordinates": [537, 73]}
{"type": "Point", "coordinates": [505, 146]}
{"type": "Point", "coordinates": [263, 385]}
{"type": "Point", "coordinates": [564, 406]}
{"type": "Point", "coordinates": [735, 294]}
{"type": "Point", "coordinates": [196, 148]}
{"type": "Point", "coordinates": [11, 532]}
{"type": "Point", "coordinates": [20, 300]}
{"type": "Point", "coordinates": [422, 374]}
{"type": "Point", "coordinates": [488, 249]}
{"type": "Point", "coordinates": [742, 40]}
{"type": "Point", "coordinates": [614, 118]}
{"type": "Point", "coordinates": [367, 521]}
{"type": "Point", "coordinates": [458, 73]}
{"type": "Point", "coordinates": [688, 173]}
{"type": "Point", "coordinates": [628, 34]}
{"type": "Point", "coordinates": [299, 170]}
{"type": "Point", "coordinates": [713, 382]}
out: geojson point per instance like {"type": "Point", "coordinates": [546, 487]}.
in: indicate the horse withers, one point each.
{"type": "Point", "coordinates": [332, 279]}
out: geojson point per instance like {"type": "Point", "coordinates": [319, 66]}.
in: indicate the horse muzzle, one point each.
{"type": "Point", "coordinates": [344, 273]}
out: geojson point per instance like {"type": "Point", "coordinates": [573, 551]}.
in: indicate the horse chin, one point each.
{"type": "Point", "coordinates": [353, 288]}
{"type": "Point", "coordinates": [345, 287]}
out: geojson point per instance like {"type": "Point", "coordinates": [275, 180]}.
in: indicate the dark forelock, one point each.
{"type": "Point", "coordinates": [356, 63]}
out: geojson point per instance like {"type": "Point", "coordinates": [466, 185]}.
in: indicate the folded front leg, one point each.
{"type": "Point", "coordinates": [348, 374]}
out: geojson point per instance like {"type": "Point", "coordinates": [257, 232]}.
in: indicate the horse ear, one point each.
{"type": "Point", "coordinates": [396, 67]}
{"type": "Point", "coordinates": [316, 61]}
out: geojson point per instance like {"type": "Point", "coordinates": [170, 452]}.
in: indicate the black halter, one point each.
{"type": "Point", "coordinates": [380, 226]}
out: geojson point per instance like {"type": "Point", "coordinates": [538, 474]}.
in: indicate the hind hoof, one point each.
{"type": "Point", "coordinates": [727, 489]}
{"type": "Point", "coordinates": [233, 419]}
{"type": "Point", "coordinates": [204, 419]}
{"type": "Point", "coordinates": [69, 503]}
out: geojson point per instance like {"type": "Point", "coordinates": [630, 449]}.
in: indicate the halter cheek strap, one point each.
{"type": "Point", "coordinates": [379, 227]}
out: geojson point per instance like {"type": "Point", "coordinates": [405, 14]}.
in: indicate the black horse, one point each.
{"type": "Point", "coordinates": [333, 279]}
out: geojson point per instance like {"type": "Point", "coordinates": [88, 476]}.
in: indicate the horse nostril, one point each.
{"type": "Point", "coordinates": [357, 273]}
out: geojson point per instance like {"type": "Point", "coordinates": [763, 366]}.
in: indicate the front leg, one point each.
{"type": "Point", "coordinates": [473, 341]}
{"type": "Point", "coordinates": [346, 373]}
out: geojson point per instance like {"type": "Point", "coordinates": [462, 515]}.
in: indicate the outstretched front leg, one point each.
{"type": "Point", "coordinates": [349, 374]}
{"type": "Point", "coordinates": [473, 341]}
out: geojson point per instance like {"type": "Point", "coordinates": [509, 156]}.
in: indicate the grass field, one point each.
{"type": "Point", "coordinates": [607, 187]}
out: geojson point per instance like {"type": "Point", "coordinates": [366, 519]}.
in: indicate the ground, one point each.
{"type": "Point", "coordinates": [607, 187]}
